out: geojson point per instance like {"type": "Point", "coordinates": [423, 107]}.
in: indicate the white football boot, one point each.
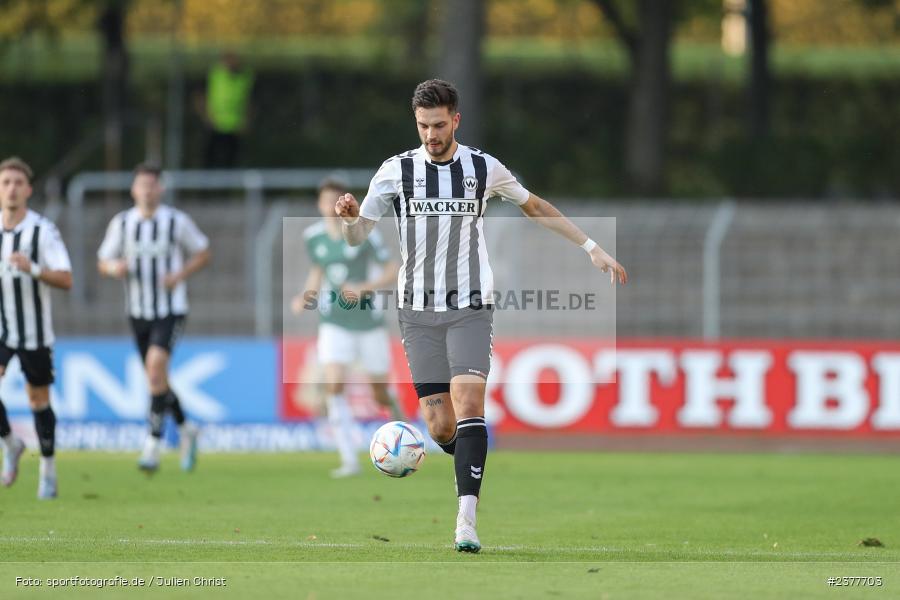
{"type": "Point", "coordinates": [466, 536]}
{"type": "Point", "coordinates": [149, 460]}
{"type": "Point", "coordinates": [188, 442]}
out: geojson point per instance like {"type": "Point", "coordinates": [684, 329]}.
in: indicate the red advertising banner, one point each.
{"type": "Point", "coordinates": [659, 386]}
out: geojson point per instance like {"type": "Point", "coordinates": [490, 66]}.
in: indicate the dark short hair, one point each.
{"type": "Point", "coordinates": [17, 164]}
{"type": "Point", "coordinates": [148, 168]}
{"type": "Point", "coordinates": [333, 183]}
{"type": "Point", "coordinates": [434, 93]}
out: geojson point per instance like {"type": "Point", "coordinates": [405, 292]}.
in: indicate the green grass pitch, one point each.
{"type": "Point", "coordinates": [553, 525]}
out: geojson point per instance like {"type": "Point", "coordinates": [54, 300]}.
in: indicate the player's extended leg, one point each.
{"type": "Point", "coordinates": [341, 419]}
{"type": "Point", "coordinates": [155, 366]}
{"type": "Point", "coordinates": [467, 394]}
{"type": "Point", "coordinates": [469, 354]}
{"type": "Point", "coordinates": [162, 399]}
{"type": "Point", "coordinates": [45, 426]}
{"type": "Point", "coordinates": [12, 446]}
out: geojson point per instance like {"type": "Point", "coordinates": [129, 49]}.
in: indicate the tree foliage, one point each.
{"type": "Point", "coordinates": [223, 21]}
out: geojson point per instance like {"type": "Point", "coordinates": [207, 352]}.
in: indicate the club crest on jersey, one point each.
{"type": "Point", "coordinates": [470, 183]}
{"type": "Point", "coordinates": [443, 206]}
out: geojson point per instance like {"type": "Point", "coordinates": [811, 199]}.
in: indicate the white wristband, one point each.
{"type": "Point", "coordinates": [588, 245]}
{"type": "Point", "coordinates": [36, 270]}
{"type": "Point", "coordinates": [350, 223]}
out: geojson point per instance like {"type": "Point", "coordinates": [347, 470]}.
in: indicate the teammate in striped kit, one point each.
{"type": "Point", "coordinates": [33, 259]}
{"type": "Point", "coordinates": [438, 194]}
{"type": "Point", "coordinates": [145, 246]}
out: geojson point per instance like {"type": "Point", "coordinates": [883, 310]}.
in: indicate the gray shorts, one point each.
{"type": "Point", "coordinates": [441, 345]}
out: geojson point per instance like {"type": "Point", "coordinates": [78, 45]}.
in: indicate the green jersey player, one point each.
{"type": "Point", "coordinates": [341, 285]}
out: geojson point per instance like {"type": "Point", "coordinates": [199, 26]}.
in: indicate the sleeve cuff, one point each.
{"type": "Point", "coordinates": [367, 214]}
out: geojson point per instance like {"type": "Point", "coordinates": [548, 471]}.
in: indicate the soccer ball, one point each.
{"type": "Point", "coordinates": [397, 449]}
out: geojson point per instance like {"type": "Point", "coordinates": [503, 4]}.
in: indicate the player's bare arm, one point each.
{"type": "Point", "coordinates": [354, 227]}
{"type": "Point", "coordinates": [57, 279]}
{"type": "Point", "coordinates": [312, 286]}
{"type": "Point", "coordinates": [545, 214]}
{"type": "Point", "coordinates": [196, 262]}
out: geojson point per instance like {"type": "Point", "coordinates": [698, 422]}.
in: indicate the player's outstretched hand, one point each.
{"type": "Point", "coordinates": [347, 207]}
{"type": "Point", "coordinates": [607, 263]}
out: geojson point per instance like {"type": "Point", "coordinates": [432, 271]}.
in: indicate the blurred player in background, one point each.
{"type": "Point", "coordinates": [351, 328]}
{"type": "Point", "coordinates": [145, 246]}
{"type": "Point", "coordinates": [438, 193]}
{"type": "Point", "coordinates": [33, 259]}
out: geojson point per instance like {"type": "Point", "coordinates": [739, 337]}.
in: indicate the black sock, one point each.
{"type": "Point", "coordinates": [45, 426]}
{"type": "Point", "coordinates": [5, 429]}
{"type": "Point", "coordinates": [157, 412]}
{"type": "Point", "coordinates": [175, 407]}
{"type": "Point", "coordinates": [471, 453]}
{"type": "Point", "coordinates": [448, 447]}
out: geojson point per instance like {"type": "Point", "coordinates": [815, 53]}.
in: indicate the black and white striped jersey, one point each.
{"type": "Point", "coordinates": [154, 247]}
{"type": "Point", "coordinates": [440, 209]}
{"type": "Point", "coordinates": [25, 313]}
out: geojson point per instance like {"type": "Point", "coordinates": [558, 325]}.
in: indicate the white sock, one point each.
{"type": "Point", "coordinates": [467, 506]}
{"type": "Point", "coordinates": [48, 467]}
{"type": "Point", "coordinates": [186, 427]}
{"type": "Point", "coordinates": [9, 441]}
{"type": "Point", "coordinates": [341, 421]}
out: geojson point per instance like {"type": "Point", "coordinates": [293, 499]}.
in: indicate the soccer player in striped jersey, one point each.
{"type": "Point", "coordinates": [33, 258]}
{"type": "Point", "coordinates": [438, 194]}
{"type": "Point", "coordinates": [351, 328]}
{"type": "Point", "coordinates": [146, 247]}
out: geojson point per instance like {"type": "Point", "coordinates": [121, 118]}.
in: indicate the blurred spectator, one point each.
{"type": "Point", "coordinates": [226, 110]}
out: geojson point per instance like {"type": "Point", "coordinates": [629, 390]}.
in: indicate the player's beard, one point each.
{"type": "Point", "coordinates": [444, 147]}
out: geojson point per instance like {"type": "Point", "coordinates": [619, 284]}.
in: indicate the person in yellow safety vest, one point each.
{"type": "Point", "coordinates": [228, 89]}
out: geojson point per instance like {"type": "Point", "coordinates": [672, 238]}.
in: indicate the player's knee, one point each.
{"type": "Point", "coordinates": [468, 399]}
{"type": "Point", "coordinates": [38, 398]}
{"type": "Point", "coordinates": [468, 405]}
{"type": "Point", "coordinates": [156, 371]}
{"type": "Point", "coordinates": [157, 380]}
{"type": "Point", "coordinates": [157, 357]}
{"type": "Point", "coordinates": [441, 430]}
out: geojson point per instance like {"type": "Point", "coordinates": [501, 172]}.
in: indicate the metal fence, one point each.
{"type": "Point", "coordinates": [795, 269]}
